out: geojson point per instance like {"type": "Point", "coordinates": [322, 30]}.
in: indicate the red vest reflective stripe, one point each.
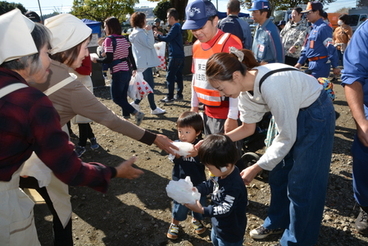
{"type": "Point", "coordinates": [205, 92]}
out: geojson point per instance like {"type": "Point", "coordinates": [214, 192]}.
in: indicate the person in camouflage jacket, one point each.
{"type": "Point", "coordinates": [293, 36]}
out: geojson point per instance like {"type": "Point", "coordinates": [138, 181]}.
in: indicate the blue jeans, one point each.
{"type": "Point", "coordinates": [175, 74]}
{"type": "Point", "coordinates": [360, 170]}
{"type": "Point", "coordinates": [180, 212]}
{"type": "Point", "coordinates": [148, 77]}
{"type": "Point", "coordinates": [119, 91]}
{"type": "Point", "coordinates": [219, 242]}
{"type": "Point", "coordinates": [299, 182]}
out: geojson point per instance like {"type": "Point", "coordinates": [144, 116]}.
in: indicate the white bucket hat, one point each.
{"type": "Point", "coordinates": [67, 32]}
{"type": "Point", "coordinates": [15, 36]}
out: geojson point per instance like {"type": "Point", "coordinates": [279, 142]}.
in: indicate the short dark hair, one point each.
{"type": "Point", "coordinates": [218, 150]}
{"type": "Point", "coordinates": [190, 119]}
{"type": "Point", "coordinates": [325, 15]}
{"type": "Point", "coordinates": [137, 19]}
{"type": "Point", "coordinates": [321, 13]}
{"type": "Point", "coordinates": [174, 13]}
{"type": "Point", "coordinates": [266, 10]}
{"type": "Point", "coordinates": [33, 16]}
{"type": "Point", "coordinates": [298, 9]}
{"type": "Point", "coordinates": [211, 18]}
{"type": "Point", "coordinates": [113, 25]}
{"type": "Point", "coordinates": [233, 6]}
{"type": "Point", "coordinates": [344, 18]}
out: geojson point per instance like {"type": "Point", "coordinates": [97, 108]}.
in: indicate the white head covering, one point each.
{"type": "Point", "coordinates": [15, 36]}
{"type": "Point", "coordinates": [67, 32]}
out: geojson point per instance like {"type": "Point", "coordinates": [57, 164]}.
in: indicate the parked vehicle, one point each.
{"type": "Point", "coordinates": [357, 16]}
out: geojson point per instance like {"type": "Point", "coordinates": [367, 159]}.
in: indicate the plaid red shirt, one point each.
{"type": "Point", "coordinates": [29, 122]}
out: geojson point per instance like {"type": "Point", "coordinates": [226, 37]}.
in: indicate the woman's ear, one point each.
{"type": "Point", "coordinates": [236, 75]}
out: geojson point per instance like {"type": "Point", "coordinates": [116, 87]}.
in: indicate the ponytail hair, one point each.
{"type": "Point", "coordinates": [221, 66]}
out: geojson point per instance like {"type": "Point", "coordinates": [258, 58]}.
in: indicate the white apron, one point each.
{"type": "Point", "coordinates": [57, 190]}
{"type": "Point", "coordinates": [17, 225]}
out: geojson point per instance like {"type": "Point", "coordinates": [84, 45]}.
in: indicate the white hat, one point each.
{"type": "Point", "coordinates": [67, 32]}
{"type": "Point", "coordinates": [15, 36]}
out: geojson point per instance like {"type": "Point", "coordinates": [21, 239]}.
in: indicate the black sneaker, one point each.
{"type": "Point", "coordinates": [94, 144]}
{"type": "Point", "coordinates": [361, 222]}
{"type": "Point", "coordinates": [261, 232]}
{"type": "Point", "coordinates": [80, 150]}
{"type": "Point", "coordinates": [178, 97]}
{"type": "Point", "coordinates": [167, 100]}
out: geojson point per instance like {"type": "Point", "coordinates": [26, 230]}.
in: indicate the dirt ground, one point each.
{"type": "Point", "coordinates": [138, 212]}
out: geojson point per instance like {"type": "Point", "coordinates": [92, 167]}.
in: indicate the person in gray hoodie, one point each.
{"type": "Point", "coordinates": [145, 56]}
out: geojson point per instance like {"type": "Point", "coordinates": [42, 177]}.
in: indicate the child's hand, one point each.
{"type": "Point", "coordinates": [193, 152]}
{"type": "Point", "coordinates": [198, 145]}
{"type": "Point", "coordinates": [195, 207]}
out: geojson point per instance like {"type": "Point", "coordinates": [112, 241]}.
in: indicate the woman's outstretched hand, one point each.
{"type": "Point", "coordinates": [165, 144]}
{"type": "Point", "coordinates": [127, 171]}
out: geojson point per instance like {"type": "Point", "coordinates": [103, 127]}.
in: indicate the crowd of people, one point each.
{"type": "Point", "coordinates": [237, 78]}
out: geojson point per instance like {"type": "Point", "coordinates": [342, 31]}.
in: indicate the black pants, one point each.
{"type": "Point", "coordinates": [62, 236]}
{"type": "Point", "coordinates": [85, 132]}
{"type": "Point", "coordinates": [291, 60]}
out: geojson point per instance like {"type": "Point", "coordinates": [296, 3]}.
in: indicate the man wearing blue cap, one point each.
{"type": "Point", "coordinates": [319, 48]}
{"type": "Point", "coordinates": [220, 114]}
{"type": "Point", "coordinates": [354, 79]}
{"type": "Point", "coordinates": [267, 45]}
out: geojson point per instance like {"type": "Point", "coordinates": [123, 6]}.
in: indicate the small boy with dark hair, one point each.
{"type": "Point", "coordinates": [228, 193]}
{"type": "Point", "coordinates": [190, 127]}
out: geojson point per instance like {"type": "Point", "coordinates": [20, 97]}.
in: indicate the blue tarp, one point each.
{"type": "Point", "coordinates": [222, 15]}
{"type": "Point", "coordinates": [94, 25]}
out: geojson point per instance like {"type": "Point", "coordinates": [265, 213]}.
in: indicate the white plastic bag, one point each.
{"type": "Point", "coordinates": [160, 48]}
{"type": "Point", "coordinates": [138, 88]}
{"type": "Point", "coordinates": [182, 191]}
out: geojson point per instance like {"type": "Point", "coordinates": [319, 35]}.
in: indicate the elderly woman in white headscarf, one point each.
{"type": "Point", "coordinates": [70, 37]}
{"type": "Point", "coordinates": [29, 124]}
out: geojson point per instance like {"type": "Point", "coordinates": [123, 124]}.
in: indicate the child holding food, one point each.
{"type": "Point", "coordinates": [190, 127]}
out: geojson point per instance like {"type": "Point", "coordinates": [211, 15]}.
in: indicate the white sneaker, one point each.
{"type": "Point", "coordinates": [135, 106]}
{"type": "Point", "coordinates": [158, 111]}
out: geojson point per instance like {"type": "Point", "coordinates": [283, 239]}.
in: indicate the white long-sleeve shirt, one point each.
{"type": "Point", "coordinates": [283, 94]}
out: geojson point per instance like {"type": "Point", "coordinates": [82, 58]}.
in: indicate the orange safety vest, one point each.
{"type": "Point", "coordinates": [205, 92]}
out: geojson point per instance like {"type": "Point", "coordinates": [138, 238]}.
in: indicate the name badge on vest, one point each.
{"type": "Point", "coordinates": [261, 48]}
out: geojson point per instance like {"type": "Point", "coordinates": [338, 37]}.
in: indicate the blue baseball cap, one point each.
{"type": "Point", "coordinates": [197, 13]}
{"type": "Point", "coordinates": [259, 5]}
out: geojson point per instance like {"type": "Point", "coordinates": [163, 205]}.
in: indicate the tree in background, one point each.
{"type": "Point", "coordinates": [160, 11]}
{"type": "Point", "coordinates": [179, 5]}
{"type": "Point", "coordinates": [362, 3]}
{"type": "Point", "coordinates": [6, 7]}
{"type": "Point", "coordinates": [99, 10]}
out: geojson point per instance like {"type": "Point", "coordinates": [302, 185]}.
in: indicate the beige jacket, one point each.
{"type": "Point", "coordinates": [75, 98]}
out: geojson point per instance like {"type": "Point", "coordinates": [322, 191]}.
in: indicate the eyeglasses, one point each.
{"type": "Point", "coordinates": [310, 12]}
